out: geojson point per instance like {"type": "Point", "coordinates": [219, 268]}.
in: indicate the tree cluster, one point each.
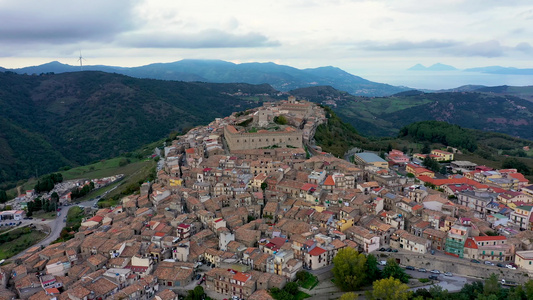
{"type": "Point", "coordinates": [431, 164]}
{"type": "Point", "coordinates": [48, 182]}
{"type": "Point", "coordinates": [78, 193]}
{"type": "Point", "coordinates": [490, 289]}
{"type": "Point", "coordinates": [281, 120]}
{"type": "Point", "coordinates": [289, 292]}
{"type": "Point", "coordinates": [352, 269]}
{"type": "Point", "coordinates": [3, 196]}
{"type": "Point", "coordinates": [513, 163]}
{"type": "Point", "coordinates": [440, 132]}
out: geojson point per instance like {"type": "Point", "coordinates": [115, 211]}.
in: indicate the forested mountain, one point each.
{"type": "Point", "coordinates": [50, 121]}
{"type": "Point", "coordinates": [283, 78]}
{"type": "Point", "coordinates": [483, 111]}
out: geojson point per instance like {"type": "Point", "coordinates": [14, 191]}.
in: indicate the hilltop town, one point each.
{"type": "Point", "coordinates": [243, 204]}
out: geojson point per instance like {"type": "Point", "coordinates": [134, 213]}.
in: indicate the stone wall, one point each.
{"type": "Point", "coordinates": [456, 266]}
{"type": "Point", "coordinates": [246, 141]}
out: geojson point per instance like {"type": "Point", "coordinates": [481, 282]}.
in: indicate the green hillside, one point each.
{"type": "Point", "coordinates": [487, 112]}
{"type": "Point", "coordinates": [53, 120]}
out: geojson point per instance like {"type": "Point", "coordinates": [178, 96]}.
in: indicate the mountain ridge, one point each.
{"type": "Point", "coordinates": [281, 77]}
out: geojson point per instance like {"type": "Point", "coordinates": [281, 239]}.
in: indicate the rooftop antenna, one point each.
{"type": "Point", "coordinates": [81, 59]}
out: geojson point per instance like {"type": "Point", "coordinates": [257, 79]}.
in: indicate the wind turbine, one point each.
{"type": "Point", "coordinates": [81, 59]}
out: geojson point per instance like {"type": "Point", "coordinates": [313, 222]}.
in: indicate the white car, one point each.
{"type": "Point", "coordinates": [383, 263]}
{"type": "Point", "coordinates": [510, 267]}
{"type": "Point", "coordinates": [489, 263]}
{"type": "Point", "coordinates": [435, 271]}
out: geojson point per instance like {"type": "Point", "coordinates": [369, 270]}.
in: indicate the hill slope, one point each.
{"type": "Point", "coordinates": [50, 121]}
{"type": "Point", "coordinates": [283, 78]}
{"type": "Point", "coordinates": [483, 111]}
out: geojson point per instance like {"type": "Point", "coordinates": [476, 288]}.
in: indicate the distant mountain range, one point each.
{"type": "Point", "coordinates": [488, 70]}
{"type": "Point", "coordinates": [282, 78]}
{"type": "Point", "coordinates": [435, 67]}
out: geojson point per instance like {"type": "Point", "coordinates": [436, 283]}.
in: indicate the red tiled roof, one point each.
{"type": "Point", "coordinates": [242, 277]}
{"type": "Point", "coordinates": [470, 244]}
{"type": "Point", "coordinates": [308, 186]}
{"type": "Point", "coordinates": [329, 181]}
{"type": "Point", "coordinates": [97, 219]}
{"type": "Point", "coordinates": [316, 251]}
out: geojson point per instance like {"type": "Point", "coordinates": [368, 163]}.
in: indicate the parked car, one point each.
{"type": "Point", "coordinates": [389, 250]}
{"type": "Point", "coordinates": [433, 277]}
{"type": "Point", "coordinates": [475, 261]}
{"type": "Point", "coordinates": [500, 265]}
{"type": "Point", "coordinates": [509, 266]}
{"type": "Point", "coordinates": [410, 268]}
{"type": "Point", "coordinates": [382, 262]}
{"type": "Point", "coordinates": [432, 252]}
{"type": "Point", "coordinates": [488, 263]}
{"type": "Point", "coordinates": [394, 250]}
{"type": "Point", "coordinates": [422, 270]}
{"type": "Point", "coordinates": [43, 219]}
{"type": "Point", "coordinates": [198, 276]}
{"type": "Point", "coordinates": [435, 271]}
{"type": "Point", "coordinates": [382, 249]}
{"type": "Point", "coordinates": [448, 274]}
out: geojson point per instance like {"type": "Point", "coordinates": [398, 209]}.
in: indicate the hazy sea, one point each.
{"type": "Point", "coordinates": [436, 80]}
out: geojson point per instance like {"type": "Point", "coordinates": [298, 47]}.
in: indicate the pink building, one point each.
{"type": "Point", "coordinates": [398, 157]}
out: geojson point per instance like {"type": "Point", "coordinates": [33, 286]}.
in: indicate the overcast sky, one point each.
{"type": "Point", "coordinates": [352, 35]}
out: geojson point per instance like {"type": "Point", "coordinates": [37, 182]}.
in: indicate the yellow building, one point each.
{"type": "Point", "coordinates": [444, 155]}
{"type": "Point", "coordinates": [366, 158]}
{"type": "Point", "coordinates": [524, 259]}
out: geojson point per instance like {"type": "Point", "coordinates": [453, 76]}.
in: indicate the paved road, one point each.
{"type": "Point", "coordinates": [451, 283]}
{"type": "Point", "coordinates": [54, 226]}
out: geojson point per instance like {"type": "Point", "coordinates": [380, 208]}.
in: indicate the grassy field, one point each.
{"type": "Point", "coordinates": [103, 168]}
{"type": "Point", "coordinates": [17, 240]}
{"type": "Point", "coordinates": [310, 281]}
{"type": "Point", "coordinates": [128, 185]}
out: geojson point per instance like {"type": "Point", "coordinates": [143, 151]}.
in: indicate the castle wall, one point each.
{"type": "Point", "coordinates": [247, 141]}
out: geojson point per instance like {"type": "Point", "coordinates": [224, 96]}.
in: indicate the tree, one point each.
{"type": "Point", "coordinates": [492, 285]}
{"type": "Point", "coordinates": [471, 290]}
{"type": "Point", "coordinates": [196, 294]}
{"type": "Point", "coordinates": [3, 196]}
{"type": "Point", "coordinates": [389, 289]}
{"type": "Point", "coordinates": [437, 292]}
{"type": "Point", "coordinates": [264, 186]}
{"type": "Point", "coordinates": [373, 273]}
{"type": "Point", "coordinates": [392, 269]}
{"type": "Point", "coordinates": [426, 149]}
{"type": "Point", "coordinates": [291, 288]}
{"type": "Point", "coordinates": [281, 120]}
{"type": "Point", "coordinates": [349, 269]}
{"type": "Point", "coordinates": [349, 296]}
{"type": "Point", "coordinates": [301, 275]}
{"type": "Point", "coordinates": [528, 289]}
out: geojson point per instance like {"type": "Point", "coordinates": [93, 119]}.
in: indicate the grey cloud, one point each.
{"type": "Point", "coordinates": [485, 49]}
{"type": "Point", "coordinates": [524, 47]}
{"type": "Point", "coordinates": [407, 45]}
{"type": "Point", "coordinates": [59, 21]}
{"type": "Point", "coordinates": [212, 38]}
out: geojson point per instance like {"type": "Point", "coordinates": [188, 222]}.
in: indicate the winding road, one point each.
{"type": "Point", "coordinates": [54, 225]}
